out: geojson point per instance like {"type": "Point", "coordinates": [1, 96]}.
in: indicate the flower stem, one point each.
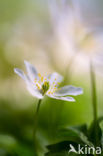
{"type": "Point", "coordinates": [94, 98]}
{"type": "Point", "coordinates": [36, 123]}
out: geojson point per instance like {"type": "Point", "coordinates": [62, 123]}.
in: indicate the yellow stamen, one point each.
{"type": "Point", "coordinates": [55, 88]}
{"type": "Point", "coordinates": [49, 92]}
{"type": "Point", "coordinates": [39, 74]}
{"type": "Point", "coordinates": [41, 77]}
{"type": "Point", "coordinates": [38, 86]}
{"type": "Point", "coordinates": [35, 80]}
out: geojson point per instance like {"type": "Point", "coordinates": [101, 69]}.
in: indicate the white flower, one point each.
{"type": "Point", "coordinates": [40, 86]}
{"type": "Point", "coordinates": [70, 25]}
{"type": "Point", "coordinates": [72, 33]}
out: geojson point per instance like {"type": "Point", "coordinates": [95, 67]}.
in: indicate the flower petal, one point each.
{"type": "Point", "coordinates": [69, 90]}
{"type": "Point", "coordinates": [34, 92]}
{"type": "Point", "coordinates": [30, 86]}
{"type": "Point", "coordinates": [55, 77]}
{"type": "Point", "coordinates": [32, 72]}
{"type": "Point", "coordinates": [62, 98]}
{"type": "Point", "coordinates": [20, 73]}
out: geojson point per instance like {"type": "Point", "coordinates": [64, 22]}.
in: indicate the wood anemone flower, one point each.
{"type": "Point", "coordinates": [40, 86]}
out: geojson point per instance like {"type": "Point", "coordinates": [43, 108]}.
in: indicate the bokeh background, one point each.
{"type": "Point", "coordinates": [42, 33]}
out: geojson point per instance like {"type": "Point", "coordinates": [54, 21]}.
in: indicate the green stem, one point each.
{"type": "Point", "coordinates": [36, 122]}
{"type": "Point", "coordinates": [94, 98]}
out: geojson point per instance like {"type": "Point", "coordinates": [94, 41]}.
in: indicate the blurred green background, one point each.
{"type": "Point", "coordinates": [26, 34]}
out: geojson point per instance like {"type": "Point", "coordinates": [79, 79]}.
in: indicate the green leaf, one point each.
{"type": "Point", "coordinates": [61, 147]}
{"type": "Point", "coordinates": [23, 150]}
{"type": "Point", "coordinates": [82, 136]}
{"type": "Point", "coordinates": [71, 135]}
{"type": "Point", "coordinates": [7, 141]}
{"type": "Point", "coordinates": [81, 128]}
{"type": "Point", "coordinates": [61, 154]}
{"type": "Point", "coordinates": [57, 154]}
{"type": "Point", "coordinates": [77, 134]}
{"type": "Point", "coordinates": [95, 133]}
{"type": "Point", "coordinates": [101, 126]}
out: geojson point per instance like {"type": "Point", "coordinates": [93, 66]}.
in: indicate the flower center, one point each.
{"type": "Point", "coordinates": [45, 87]}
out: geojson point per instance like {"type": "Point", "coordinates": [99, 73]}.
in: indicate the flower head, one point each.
{"type": "Point", "coordinates": [40, 86]}
{"type": "Point", "coordinates": [72, 33]}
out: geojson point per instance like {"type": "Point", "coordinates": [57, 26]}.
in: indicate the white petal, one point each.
{"type": "Point", "coordinates": [69, 90]}
{"type": "Point", "coordinates": [55, 77]}
{"type": "Point", "coordinates": [30, 86]}
{"type": "Point", "coordinates": [34, 92]}
{"type": "Point", "coordinates": [32, 73]}
{"type": "Point", "coordinates": [20, 73]}
{"type": "Point", "coordinates": [62, 98]}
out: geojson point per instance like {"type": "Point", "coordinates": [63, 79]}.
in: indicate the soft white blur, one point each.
{"type": "Point", "coordinates": [72, 34]}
